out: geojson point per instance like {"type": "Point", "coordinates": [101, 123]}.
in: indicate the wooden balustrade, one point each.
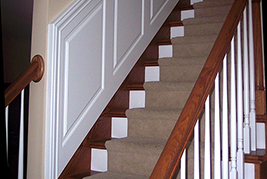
{"type": "Point", "coordinates": [167, 165]}
{"type": "Point", "coordinates": [33, 73]}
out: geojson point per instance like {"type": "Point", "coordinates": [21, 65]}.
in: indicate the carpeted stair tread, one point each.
{"type": "Point", "coordinates": [166, 99]}
{"type": "Point", "coordinates": [192, 50]}
{"type": "Point", "coordinates": [153, 113]}
{"type": "Point", "coordinates": [134, 155]}
{"type": "Point", "coordinates": [211, 28]}
{"type": "Point", "coordinates": [115, 175]}
{"type": "Point", "coordinates": [212, 3]}
{"type": "Point", "coordinates": [157, 123]}
{"type": "Point", "coordinates": [182, 61]}
{"type": "Point", "coordinates": [169, 86]}
{"type": "Point", "coordinates": [193, 39]}
{"type": "Point", "coordinates": [180, 73]}
{"type": "Point", "coordinates": [204, 20]}
{"type": "Point", "coordinates": [211, 11]}
{"type": "Point", "coordinates": [136, 145]}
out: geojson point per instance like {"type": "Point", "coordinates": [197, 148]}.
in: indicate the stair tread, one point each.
{"type": "Point", "coordinates": [193, 39]}
{"type": "Point", "coordinates": [206, 11]}
{"type": "Point", "coordinates": [203, 29]}
{"type": "Point", "coordinates": [182, 61]}
{"type": "Point", "coordinates": [115, 175]}
{"type": "Point", "coordinates": [158, 113]}
{"type": "Point", "coordinates": [212, 3]}
{"type": "Point", "coordinates": [204, 20]}
{"type": "Point", "coordinates": [256, 156]}
{"type": "Point", "coordinates": [169, 86]}
{"type": "Point", "coordinates": [136, 145]}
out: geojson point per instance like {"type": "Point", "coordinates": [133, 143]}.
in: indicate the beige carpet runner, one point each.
{"type": "Point", "coordinates": [149, 128]}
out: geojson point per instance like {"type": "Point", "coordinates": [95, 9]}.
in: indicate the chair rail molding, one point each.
{"type": "Point", "coordinates": [92, 46]}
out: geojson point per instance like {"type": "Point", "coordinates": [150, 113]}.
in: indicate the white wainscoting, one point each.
{"type": "Point", "coordinates": [93, 45]}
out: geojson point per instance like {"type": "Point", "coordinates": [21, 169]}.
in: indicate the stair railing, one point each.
{"type": "Point", "coordinates": [34, 72]}
{"type": "Point", "coordinates": [233, 110]}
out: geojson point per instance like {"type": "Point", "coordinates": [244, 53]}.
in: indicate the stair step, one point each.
{"type": "Point", "coordinates": [204, 20]}
{"type": "Point", "coordinates": [134, 155]}
{"type": "Point", "coordinates": [138, 156]}
{"type": "Point", "coordinates": [192, 49]}
{"type": "Point", "coordinates": [153, 123]}
{"type": "Point", "coordinates": [203, 29]}
{"type": "Point", "coordinates": [194, 39]}
{"type": "Point", "coordinates": [115, 175]}
{"type": "Point", "coordinates": [180, 73]}
{"type": "Point", "coordinates": [151, 62]}
{"type": "Point", "coordinates": [212, 3]}
{"type": "Point", "coordinates": [211, 11]}
{"type": "Point", "coordinates": [176, 23]}
{"type": "Point", "coordinates": [182, 61]}
{"type": "Point", "coordinates": [136, 86]}
{"type": "Point", "coordinates": [99, 144]}
{"type": "Point", "coordinates": [166, 99]}
{"type": "Point", "coordinates": [169, 86]}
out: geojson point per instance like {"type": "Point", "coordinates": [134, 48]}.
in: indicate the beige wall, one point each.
{"type": "Point", "coordinates": [44, 11]}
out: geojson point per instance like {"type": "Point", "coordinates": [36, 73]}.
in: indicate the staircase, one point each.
{"type": "Point", "coordinates": [150, 124]}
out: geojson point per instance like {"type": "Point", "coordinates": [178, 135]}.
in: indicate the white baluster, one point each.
{"type": "Point", "coordinates": [246, 86]}
{"type": "Point", "coordinates": [217, 131]}
{"type": "Point", "coordinates": [240, 152]}
{"type": "Point", "coordinates": [252, 81]}
{"type": "Point", "coordinates": [207, 157]}
{"type": "Point", "coordinates": [225, 133]}
{"type": "Point", "coordinates": [183, 165]}
{"type": "Point", "coordinates": [21, 138]}
{"type": "Point", "coordinates": [6, 123]}
{"type": "Point", "coordinates": [196, 152]}
{"type": "Point", "coordinates": [233, 172]}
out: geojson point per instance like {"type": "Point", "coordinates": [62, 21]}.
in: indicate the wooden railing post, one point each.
{"type": "Point", "coordinates": [258, 58]}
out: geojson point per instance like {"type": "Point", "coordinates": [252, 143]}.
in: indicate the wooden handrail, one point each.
{"type": "Point", "coordinates": [34, 72]}
{"type": "Point", "coordinates": [166, 166]}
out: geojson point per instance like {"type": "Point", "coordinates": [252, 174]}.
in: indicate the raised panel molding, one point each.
{"type": "Point", "coordinates": [128, 28]}
{"type": "Point", "coordinates": [156, 6]}
{"type": "Point", "coordinates": [92, 47]}
{"type": "Point", "coordinates": [80, 64]}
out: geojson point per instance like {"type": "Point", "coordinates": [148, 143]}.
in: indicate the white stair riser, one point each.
{"type": "Point", "coordinates": [165, 51]}
{"type": "Point", "coordinates": [137, 99]}
{"type": "Point", "coordinates": [177, 31]}
{"type": "Point", "coordinates": [119, 127]}
{"type": "Point", "coordinates": [261, 136]}
{"type": "Point", "coordinates": [195, 1]}
{"type": "Point", "coordinates": [152, 73]}
{"type": "Point", "coordinates": [187, 14]}
{"type": "Point", "coordinates": [99, 160]}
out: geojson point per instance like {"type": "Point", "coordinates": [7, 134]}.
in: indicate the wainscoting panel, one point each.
{"type": "Point", "coordinates": [93, 45]}
{"type": "Point", "coordinates": [128, 28]}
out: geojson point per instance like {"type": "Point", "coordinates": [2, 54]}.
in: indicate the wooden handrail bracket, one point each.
{"type": "Point", "coordinates": [34, 72]}
{"type": "Point", "coordinates": [40, 70]}
{"type": "Point", "coordinates": [166, 166]}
